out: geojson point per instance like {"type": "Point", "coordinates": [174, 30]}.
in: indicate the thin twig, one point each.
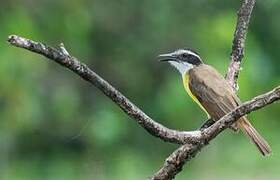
{"type": "Point", "coordinates": [63, 49]}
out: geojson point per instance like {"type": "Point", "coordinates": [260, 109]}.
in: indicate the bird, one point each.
{"type": "Point", "coordinates": [211, 91]}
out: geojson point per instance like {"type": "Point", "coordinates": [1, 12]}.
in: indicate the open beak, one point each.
{"type": "Point", "coordinates": [167, 57]}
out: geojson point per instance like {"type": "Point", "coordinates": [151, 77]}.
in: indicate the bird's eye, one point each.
{"type": "Point", "coordinates": [185, 55]}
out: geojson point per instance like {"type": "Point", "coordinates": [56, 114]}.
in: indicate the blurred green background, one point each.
{"type": "Point", "coordinates": [56, 126]}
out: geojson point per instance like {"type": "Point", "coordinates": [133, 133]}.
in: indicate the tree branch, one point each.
{"type": "Point", "coordinates": [174, 163]}
{"type": "Point", "coordinates": [63, 58]}
{"type": "Point", "coordinates": [238, 45]}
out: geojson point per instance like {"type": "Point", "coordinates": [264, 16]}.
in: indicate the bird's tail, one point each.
{"type": "Point", "coordinates": [254, 136]}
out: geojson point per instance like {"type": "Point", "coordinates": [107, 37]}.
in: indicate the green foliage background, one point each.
{"type": "Point", "coordinates": [56, 126]}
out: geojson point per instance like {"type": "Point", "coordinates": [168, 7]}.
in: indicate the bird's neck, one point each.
{"type": "Point", "coordinates": [182, 68]}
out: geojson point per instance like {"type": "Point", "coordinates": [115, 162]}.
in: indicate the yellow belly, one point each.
{"type": "Point", "coordinates": [187, 88]}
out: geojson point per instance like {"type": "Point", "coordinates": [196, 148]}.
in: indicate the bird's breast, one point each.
{"type": "Point", "coordinates": [186, 78]}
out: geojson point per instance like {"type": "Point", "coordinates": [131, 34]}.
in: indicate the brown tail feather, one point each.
{"type": "Point", "coordinates": [254, 136]}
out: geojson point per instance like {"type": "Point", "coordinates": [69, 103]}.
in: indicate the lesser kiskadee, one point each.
{"type": "Point", "coordinates": [209, 89]}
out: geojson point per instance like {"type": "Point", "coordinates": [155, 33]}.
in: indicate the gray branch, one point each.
{"type": "Point", "coordinates": [238, 44]}
{"type": "Point", "coordinates": [175, 162]}
{"type": "Point", "coordinates": [62, 57]}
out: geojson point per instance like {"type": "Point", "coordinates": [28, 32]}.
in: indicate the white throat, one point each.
{"type": "Point", "coordinates": [183, 68]}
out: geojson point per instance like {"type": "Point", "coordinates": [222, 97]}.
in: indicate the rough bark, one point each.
{"type": "Point", "coordinates": [238, 44]}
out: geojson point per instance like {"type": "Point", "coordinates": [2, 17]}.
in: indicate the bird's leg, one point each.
{"type": "Point", "coordinates": [207, 124]}
{"type": "Point", "coordinates": [234, 127]}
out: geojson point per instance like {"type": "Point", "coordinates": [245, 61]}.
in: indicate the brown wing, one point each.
{"type": "Point", "coordinates": [213, 91]}
{"type": "Point", "coordinates": [217, 97]}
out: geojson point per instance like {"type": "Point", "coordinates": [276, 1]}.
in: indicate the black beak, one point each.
{"type": "Point", "coordinates": [167, 57]}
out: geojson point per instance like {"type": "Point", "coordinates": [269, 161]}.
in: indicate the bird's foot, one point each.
{"type": "Point", "coordinates": [207, 124]}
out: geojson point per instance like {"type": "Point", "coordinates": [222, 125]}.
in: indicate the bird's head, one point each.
{"type": "Point", "coordinates": [182, 59]}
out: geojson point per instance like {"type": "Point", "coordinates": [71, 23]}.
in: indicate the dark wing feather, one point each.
{"type": "Point", "coordinates": [213, 91]}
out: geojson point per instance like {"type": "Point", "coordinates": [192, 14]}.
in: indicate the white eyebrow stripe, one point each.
{"type": "Point", "coordinates": [181, 51]}
{"type": "Point", "coordinates": [192, 53]}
